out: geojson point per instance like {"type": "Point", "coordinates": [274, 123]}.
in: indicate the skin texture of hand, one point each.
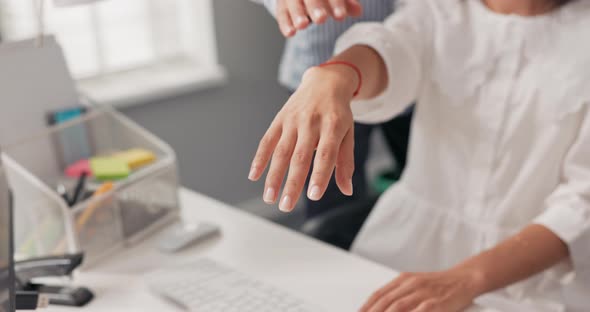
{"type": "Point", "coordinates": [294, 15]}
{"type": "Point", "coordinates": [317, 117]}
{"type": "Point", "coordinates": [447, 291]}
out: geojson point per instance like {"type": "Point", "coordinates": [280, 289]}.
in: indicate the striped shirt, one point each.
{"type": "Point", "coordinates": [315, 44]}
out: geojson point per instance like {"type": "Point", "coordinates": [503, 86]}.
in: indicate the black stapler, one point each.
{"type": "Point", "coordinates": [58, 266]}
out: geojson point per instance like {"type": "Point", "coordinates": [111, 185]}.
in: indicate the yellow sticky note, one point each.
{"type": "Point", "coordinates": [136, 157]}
{"type": "Point", "coordinates": [109, 168]}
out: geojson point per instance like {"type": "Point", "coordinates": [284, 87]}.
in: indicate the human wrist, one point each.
{"type": "Point", "coordinates": [476, 279]}
{"type": "Point", "coordinates": [343, 80]}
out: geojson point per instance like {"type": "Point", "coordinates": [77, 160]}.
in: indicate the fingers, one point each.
{"type": "Point", "coordinates": [398, 299]}
{"type": "Point", "coordinates": [264, 152]}
{"type": "Point", "coordinates": [298, 169]}
{"type": "Point", "coordinates": [284, 20]}
{"type": "Point", "coordinates": [278, 167]}
{"type": "Point", "coordinates": [345, 163]}
{"type": "Point", "coordinates": [407, 303]}
{"type": "Point", "coordinates": [354, 8]}
{"type": "Point", "coordinates": [298, 14]}
{"type": "Point", "coordinates": [293, 15]}
{"type": "Point", "coordinates": [382, 292]}
{"type": "Point", "coordinates": [318, 10]}
{"type": "Point", "coordinates": [339, 9]}
{"type": "Point", "coordinates": [325, 161]}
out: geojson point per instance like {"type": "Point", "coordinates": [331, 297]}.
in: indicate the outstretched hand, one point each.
{"type": "Point", "coordinates": [317, 117]}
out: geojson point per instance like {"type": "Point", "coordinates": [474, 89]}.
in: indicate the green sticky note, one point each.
{"type": "Point", "coordinates": [109, 168]}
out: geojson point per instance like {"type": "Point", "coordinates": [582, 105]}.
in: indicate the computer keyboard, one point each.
{"type": "Point", "coordinates": [208, 286]}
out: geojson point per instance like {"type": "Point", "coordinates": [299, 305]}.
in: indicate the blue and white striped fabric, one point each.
{"type": "Point", "coordinates": [315, 44]}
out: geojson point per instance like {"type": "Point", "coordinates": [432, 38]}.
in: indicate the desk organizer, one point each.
{"type": "Point", "coordinates": [101, 224]}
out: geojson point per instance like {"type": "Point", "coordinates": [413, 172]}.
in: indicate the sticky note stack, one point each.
{"type": "Point", "coordinates": [78, 168]}
{"type": "Point", "coordinates": [114, 167]}
{"type": "Point", "coordinates": [136, 158]}
{"type": "Point", "coordinates": [109, 168]}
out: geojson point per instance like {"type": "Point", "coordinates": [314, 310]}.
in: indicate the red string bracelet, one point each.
{"type": "Point", "coordinates": [351, 65]}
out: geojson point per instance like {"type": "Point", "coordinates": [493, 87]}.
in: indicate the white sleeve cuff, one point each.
{"type": "Point", "coordinates": [569, 219]}
{"type": "Point", "coordinates": [403, 70]}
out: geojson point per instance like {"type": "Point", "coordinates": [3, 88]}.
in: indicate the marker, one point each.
{"type": "Point", "coordinates": [78, 190]}
{"type": "Point", "coordinates": [87, 214]}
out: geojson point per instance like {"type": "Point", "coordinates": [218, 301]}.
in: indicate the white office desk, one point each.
{"type": "Point", "coordinates": [328, 277]}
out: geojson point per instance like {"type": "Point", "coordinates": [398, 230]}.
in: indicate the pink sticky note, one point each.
{"type": "Point", "coordinates": [76, 169]}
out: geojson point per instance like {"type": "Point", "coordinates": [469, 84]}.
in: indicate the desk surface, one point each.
{"type": "Point", "coordinates": [325, 276]}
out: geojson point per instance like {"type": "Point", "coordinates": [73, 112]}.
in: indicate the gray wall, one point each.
{"type": "Point", "coordinates": [215, 132]}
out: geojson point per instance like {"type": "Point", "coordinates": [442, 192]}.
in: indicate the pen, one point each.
{"type": "Point", "coordinates": [78, 190]}
{"type": "Point", "coordinates": [89, 211]}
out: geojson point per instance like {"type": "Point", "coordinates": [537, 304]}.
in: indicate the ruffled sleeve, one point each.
{"type": "Point", "coordinates": [567, 211]}
{"type": "Point", "coordinates": [402, 43]}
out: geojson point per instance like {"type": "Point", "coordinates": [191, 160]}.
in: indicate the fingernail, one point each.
{"type": "Point", "coordinates": [285, 205]}
{"type": "Point", "coordinates": [300, 21]}
{"type": "Point", "coordinates": [289, 30]}
{"type": "Point", "coordinates": [339, 12]}
{"type": "Point", "coordinates": [319, 13]}
{"type": "Point", "coordinates": [252, 174]}
{"type": "Point", "coordinates": [314, 192]}
{"type": "Point", "coordinates": [350, 187]}
{"type": "Point", "coordinates": [269, 195]}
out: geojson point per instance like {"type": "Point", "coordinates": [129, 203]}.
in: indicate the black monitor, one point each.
{"type": "Point", "coordinates": [7, 281]}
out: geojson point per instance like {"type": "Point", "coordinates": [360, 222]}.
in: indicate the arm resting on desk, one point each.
{"type": "Point", "coordinates": [531, 251]}
{"type": "Point", "coordinates": [562, 231]}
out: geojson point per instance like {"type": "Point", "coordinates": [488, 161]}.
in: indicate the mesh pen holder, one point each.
{"type": "Point", "coordinates": [101, 224]}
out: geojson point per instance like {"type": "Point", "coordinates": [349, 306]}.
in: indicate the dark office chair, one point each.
{"type": "Point", "coordinates": [339, 226]}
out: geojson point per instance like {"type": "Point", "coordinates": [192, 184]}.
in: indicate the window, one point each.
{"type": "Point", "coordinates": [167, 44]}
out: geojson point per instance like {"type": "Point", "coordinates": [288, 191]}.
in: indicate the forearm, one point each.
{"type": "Point", "coordinates": [525, 254]}
{"type": "Point", "coordinates": [371, 66]}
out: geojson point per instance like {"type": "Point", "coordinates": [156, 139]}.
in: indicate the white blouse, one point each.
{"type": "Point", "coordinates": [500, 138]}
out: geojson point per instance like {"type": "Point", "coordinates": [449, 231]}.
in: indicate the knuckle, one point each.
{"type": "Point", "coordinates": [300, 158]}
{"type": "Point", "coordinates": [265, 141]}
{"type": "Point", "coordinates": [401, 305]}
{"type": "Point", "coordinates": [324, 154]}
{"type": "Point", "coordinates": [413, 282]}
{"type": "Point", "coordinates": [312, 118]}
{"type": "Point", "coordinates": [292, 184]}
{"type": "Point", "coordinates": [334, 123]}
{"type": "Point", "coordinates": [281, 152]}
{"type": "Point", "coordinates": [319, 175]}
